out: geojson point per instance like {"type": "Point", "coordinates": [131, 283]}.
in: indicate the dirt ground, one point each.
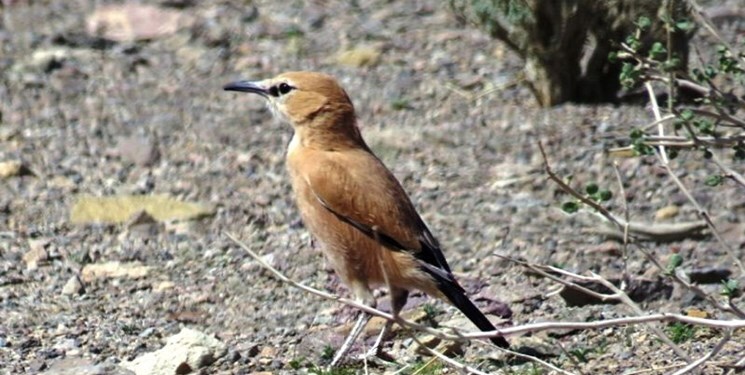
{"type": "Point", "coordinates": [440, 103]}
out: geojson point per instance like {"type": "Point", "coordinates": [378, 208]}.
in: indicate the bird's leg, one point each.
{"type": "Point", "coordinates": [368, 299]}
{"type": "Point", "coordinates": [353, 334]}
{"type": "Point", "coordinates": [398, 300]}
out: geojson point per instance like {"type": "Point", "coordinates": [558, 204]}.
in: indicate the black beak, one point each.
{"type": "Point", "coordinates": [247, 86]}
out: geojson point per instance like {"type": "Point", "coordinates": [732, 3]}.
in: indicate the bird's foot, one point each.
{"type": "Point", "coordinates": [378, 357]}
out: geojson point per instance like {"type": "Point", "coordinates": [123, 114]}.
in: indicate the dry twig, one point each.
{"type": "Point", "coordinates": [664, 161]}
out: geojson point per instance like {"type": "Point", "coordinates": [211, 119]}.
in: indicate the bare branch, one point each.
{"type": "Point", "coordinates": [631, 320]}
{"type": "Point", "coordinates": [626, 218]}
{"type": "Point", "coordinates": [658, 232]}
{"type": "Point", "coordinates": [658, 117]}
{"type": "Point", "coordinates": [662, 156]}
{"type": "Point", "coordinates": [704, 91]}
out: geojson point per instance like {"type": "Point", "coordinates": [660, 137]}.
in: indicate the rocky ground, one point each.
{"type": "Point", "coordinates": [94, 105]}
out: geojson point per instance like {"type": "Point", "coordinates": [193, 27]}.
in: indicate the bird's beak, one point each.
{"type": "Point", "coordinates": [256, 87]}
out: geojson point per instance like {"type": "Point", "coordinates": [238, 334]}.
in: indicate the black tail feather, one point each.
{"type": "Point", "coordinates": [458, 298]}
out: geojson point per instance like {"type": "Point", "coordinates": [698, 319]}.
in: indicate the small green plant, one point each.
{"type": "Point", "coordinates": [731, 289]}
{"type": "Point", "coordinates": [680, 332]}
{"type": "Point", "coordinates": [580, 353]}
{"type": "Point", "coordinates": [130, 329]}
{"type": "Point", "coordinates": [675, 261]}
{"type": "Point", "coordinates": [296, 363]}
{"type": "Point", "coordinates": [638, 143]}
{"type": "Point", "coordinates": [430, 312]}
{"type": "Point", "coordinates": [594, 192]}
{"type": "Point", "coordinates": [400, 104]}
{"type": "Point", "coordinates": [570, 207]}
{"type": "Point", "coordinates": [294, 31]}
{"type": "Point", "coordinates": [714, 180]}
{"type": "Point", "coordinates": [426, 368]}
{"type": "Point", "coordinates": [328, 352]}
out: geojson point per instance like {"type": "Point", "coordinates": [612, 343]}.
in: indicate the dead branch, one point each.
{"type": "Point", "coordinates": [657, 232]}
{"type": "Point", "coordinates": [664, 161]}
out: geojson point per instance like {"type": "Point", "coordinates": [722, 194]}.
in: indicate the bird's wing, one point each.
{"type": "Point", "coordinates": [369, 198]}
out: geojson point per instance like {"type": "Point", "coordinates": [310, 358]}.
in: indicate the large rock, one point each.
{"type": "Point", "coordinates": [183, 353]}
{"type": "Point", "coordinates": [82, 366]}
{"type": "Point", "coordinates": [132, 22]}
{"type": "Point", "coordinates": [120, 208]}
{"type": "Point", "coordinates": [113, 270]}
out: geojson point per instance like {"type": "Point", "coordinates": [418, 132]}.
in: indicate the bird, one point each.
{"type": "Point", "coordinates": [367, 227]}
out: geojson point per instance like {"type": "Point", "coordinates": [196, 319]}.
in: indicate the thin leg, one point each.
{"type": "Point", "coordinates": [398, 300]}
{"type": "Point", "coordinates": [356, 330]}
{"type": "Point", "coordinates": [363, 296]}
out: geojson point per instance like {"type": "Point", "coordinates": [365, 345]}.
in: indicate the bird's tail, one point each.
{"type": "Point", "coordinates": [457, 297]}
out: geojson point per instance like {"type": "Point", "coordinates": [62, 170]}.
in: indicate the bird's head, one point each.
{"type": "Point", "coordinates": [302, 98]}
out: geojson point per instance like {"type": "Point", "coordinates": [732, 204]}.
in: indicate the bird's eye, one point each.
{"type": "Point", "coordinates": [280, 89]}
{"type": "Point", "coordinates": [284, 88]}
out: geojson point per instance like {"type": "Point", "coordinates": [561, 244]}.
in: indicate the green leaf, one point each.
{"type": "Point", "coordinates": [710, 72]}
{"type": "Point", "coordinates": [605, 195]}
{"type": "Point", "coordinates": [685, 25]}
{"type": "Point", "coordinates": [643, 22]}
{"type": "Point", "coordinates": [731, 288]}
{"type": "Point", "coordinates": [705, 126]}
{"type": "Point", "coordinates": [633, 42]}
{"type": "Point", "coordinates": [613, 57]}
{"type": "Point", "coordinates": [673, 263]}
{"type": "Point", "coordinates": [658, 51]}
{"type": "Point", "coordinates": [591, 188]}
{"type": "Point", "coordinates": [570, 207]}
{"type": "Point", "coordinates": [714, 180]}
{"type": "Point", "coordinates": [641, 148]}
{"type": "Point", "coordinates": [686, 114]}
{"type": "Point", "coordinates": [672, 64]}
{"type": "Point", "coordinates": [629, 75]}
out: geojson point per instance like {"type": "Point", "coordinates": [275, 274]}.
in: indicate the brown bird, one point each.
{"type": "Point", "coordinates": [352, 204]}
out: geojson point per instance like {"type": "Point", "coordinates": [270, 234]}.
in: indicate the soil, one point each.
{"type": "Point", "coordinates": [444, 107]}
